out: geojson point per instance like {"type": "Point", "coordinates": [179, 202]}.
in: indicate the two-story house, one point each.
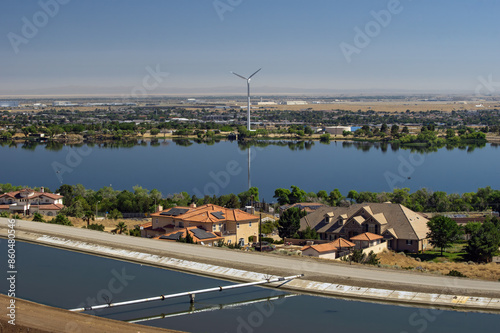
{"type": "Point", "coordinates": [234, 225]}
{"type": "Point", "coordinates": [400, 227]}
{"type": "Point", "coordinates": [28, 201]}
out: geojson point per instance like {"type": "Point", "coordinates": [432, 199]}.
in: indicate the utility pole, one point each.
{"type": "Point", "coordinates": [259, 238]}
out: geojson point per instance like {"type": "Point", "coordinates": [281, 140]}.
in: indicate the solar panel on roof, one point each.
{"type": "Point", "coordinates": [219, 215]}
{"type": "Point", "coordinates": [175, 212]}
{"type": "Point", "coordinates": [202, 234]}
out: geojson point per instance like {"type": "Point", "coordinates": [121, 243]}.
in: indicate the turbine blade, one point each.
{"type": "Point", "coordinates": [244, 78]}
{"type": "Point", "coordinates": [254, 74]}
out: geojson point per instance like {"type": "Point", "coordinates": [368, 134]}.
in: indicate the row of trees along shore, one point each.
{"type": "Point", "coordinates": [79, 200]}
{"type": "Point", "coordinates": [484, 238]}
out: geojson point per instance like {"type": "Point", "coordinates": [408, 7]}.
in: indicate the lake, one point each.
{"type": "Point", "coordinates": [222, 168]}
{"type": "Point", "coordinates": [68, 280]}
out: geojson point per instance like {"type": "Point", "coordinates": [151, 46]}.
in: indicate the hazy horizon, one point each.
{"type": "Point", "coordinates": [154, 47]}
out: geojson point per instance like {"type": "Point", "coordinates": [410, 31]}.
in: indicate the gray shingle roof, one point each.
{"type": "Point", "coordinates": [406, 224]}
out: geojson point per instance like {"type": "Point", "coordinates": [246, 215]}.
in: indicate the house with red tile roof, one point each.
{"type": "Point", "coordinates": [28, 201]}
{"type": "Point", "coordinates": [234, 225]}
{"type": "Point", "coordinates": [331, 250]}
{"type": "Point", "coordinates": [366, 240]}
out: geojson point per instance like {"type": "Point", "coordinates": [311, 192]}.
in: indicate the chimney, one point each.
{"type": "Point", "coordinates": [42, 189]}
{"type": "Point", "coordinates": [192, 205]}
{"type": "Point", "coordinates": [159, 209]}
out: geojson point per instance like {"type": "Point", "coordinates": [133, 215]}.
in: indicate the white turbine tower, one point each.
{"type": "Point", "coordinates": [248, 84]}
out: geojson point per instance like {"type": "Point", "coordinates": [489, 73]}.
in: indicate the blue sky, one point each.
{"type": "Point", "coordinates": [426, 45]}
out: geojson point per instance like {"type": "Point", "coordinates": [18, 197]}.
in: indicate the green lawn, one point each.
{"type": "Point", "coordinates": [455, 253]}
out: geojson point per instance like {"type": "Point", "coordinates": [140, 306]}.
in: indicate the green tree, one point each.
{"type": "Point", "coordinates": [297, 195]}
{"type": "Point", "coordinates": [450, 133]}
{"type": "Point", "coordinates": [394, 130]}
{"type": "Point", "coordinates": [325, 138]}
{"type": "Point", "coordinates": [289, 222]}
{"type": "Point", "coordinates": [189, 237]}
{"type": "Point", "coordinates": [115, 214]}
{"type": "Point", "coordinates": [322, 195]}
{"type": "Point", "coordinates": [61, 219]}
{"type": "Point", "coordinates": [352, 195]}
{"type": "Point", "coordinates": [309, 233]}
{"type": "Point", "coordinates": [282, 195]}
{"type": "Point", "coordinates": [443, 232]}
{"type": "Point", "coordinates": [484, 242]}
{"type": "Point", "coordinates": [400, 196]}
{"type": "Point", "coordinates": [472, 227]}
{"type": "Point", "coordinates": [335, 197]}
{"type": "Point", "coordinates": [154, 131]}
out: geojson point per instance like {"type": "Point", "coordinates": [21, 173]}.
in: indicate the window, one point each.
{"type": "Point", "coordinates": [156, 220]}
{"type": "Point", "coordinates": [237, 225]}
{"type": "Point", "coordinates": [220, 226]}
{"type": "Point", "coordinates": [214, 227]}
{"type": "Point", "coordinates": [409, 242]}
{"type": "Point", "coordinates": [249, 224]}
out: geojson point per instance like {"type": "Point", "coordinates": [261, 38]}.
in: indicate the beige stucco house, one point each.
{"type": "Point", "coordinates": [234, 225]}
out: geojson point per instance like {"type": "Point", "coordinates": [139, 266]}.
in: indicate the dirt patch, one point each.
{"type": "Point", "coordinates": [490, 271]}
{"type": "Point", "coordinates": [38, 318]}
{"type": "Point", "coordinates": [109, 224]}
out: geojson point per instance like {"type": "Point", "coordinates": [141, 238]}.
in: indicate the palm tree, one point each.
{"type": "Point", "coordinates": [121, 227]}
{"type": "Point", "coordinates": [88, 216]}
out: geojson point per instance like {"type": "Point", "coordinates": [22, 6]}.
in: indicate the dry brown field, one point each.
{"type": "Point", "coordinates": [490, 271]}
{"type": "Point", "coordinates": [388, 106]}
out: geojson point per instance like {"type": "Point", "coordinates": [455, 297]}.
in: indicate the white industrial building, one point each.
{"type": "Point", "coordinates": [337, 130]}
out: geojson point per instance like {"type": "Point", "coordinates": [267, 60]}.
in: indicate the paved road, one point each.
{"type": "Point", "coordinates": [259, 262]}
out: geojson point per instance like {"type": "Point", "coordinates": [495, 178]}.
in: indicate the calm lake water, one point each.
{"type": "Point", "coordinates": [221, 168]}
{"type": "Point", "coordinates": [68, 279]}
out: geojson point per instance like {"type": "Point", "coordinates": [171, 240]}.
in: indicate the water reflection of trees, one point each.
{"type": "Point", "coordinates": [182, 142]}
{"type": "Point", "coordinates": [291, 144]}
{"type": "Point", "coordinates": [414, 148]}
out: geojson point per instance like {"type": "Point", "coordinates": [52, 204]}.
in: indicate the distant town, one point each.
{"type": "Point", "coordinates": [364, 118]}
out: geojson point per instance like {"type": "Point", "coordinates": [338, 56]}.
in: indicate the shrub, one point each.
{"type": "Point", "coordinates": [37, 217]}
{"type": "Point", "coordinates": [267, 239]}
{"type": "Point", "coordinates": [357, 256]}
{"type": "Point", "coordinates": [324, 137]}
{"type": "Point", "coordinates": [372, 259]}
{"type": "Point", "coordinates": [456, 273]}
{"type": "Point", "coordinates": [61, 219]}
{"type": "Point", "coordinates": [95, 226]}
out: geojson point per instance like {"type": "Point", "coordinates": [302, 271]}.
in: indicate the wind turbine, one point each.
{"type": "Point", "coordinates": [248, 84]}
